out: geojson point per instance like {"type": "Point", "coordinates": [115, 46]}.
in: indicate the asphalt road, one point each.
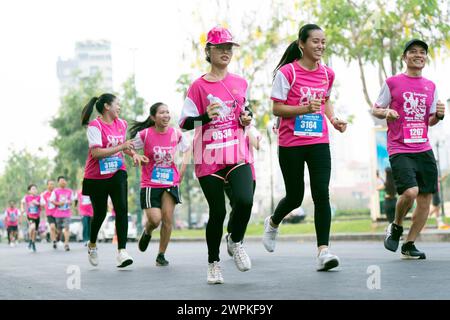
{"type": "Point", "coordinates": [367, 271]}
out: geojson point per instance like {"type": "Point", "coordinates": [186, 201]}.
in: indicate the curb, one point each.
{"type": "Point", "coordinates": [427, 236]}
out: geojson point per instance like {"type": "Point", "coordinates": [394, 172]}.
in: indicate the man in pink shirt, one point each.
{"type": "Point", "coordinates": [62, 197]}
{"type": "Point", "coordinates": [409, 103]}
{"type": "Point", "coordinates": [31, 205]}
{"type": "Point", "coordinates": [86, 212]}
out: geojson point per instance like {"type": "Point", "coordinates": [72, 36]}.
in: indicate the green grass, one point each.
{"type": "Point", "coordinates": [337, 226]}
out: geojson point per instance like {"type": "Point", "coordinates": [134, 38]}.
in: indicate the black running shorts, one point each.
{"type": "Point", "coordinates": [151, 197]}
{"type": "Point", "coordinates": [414, 170]}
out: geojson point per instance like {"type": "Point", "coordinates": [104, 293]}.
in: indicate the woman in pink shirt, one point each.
{"type": "Point", "coordinates": [31, 205]}
{"type": "Point", "coordinates": [12, 215]}
{"type": "Point", "coordinates": [86, 212]}
{"type": "Point", "coordinates": [215, 107]}
{"type": "Point", "coordinates": [160, 178]}
{"type": "Point", "coordinates": [105, 172]}
{"type": "Point", "coordinates": [300, 94]}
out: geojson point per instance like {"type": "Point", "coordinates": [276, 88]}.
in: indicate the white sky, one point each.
{"type": "Point", "coordinates": [35, 33]}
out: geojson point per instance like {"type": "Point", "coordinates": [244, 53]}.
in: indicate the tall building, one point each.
{"type": "Point", "coordinates": [90, 57]}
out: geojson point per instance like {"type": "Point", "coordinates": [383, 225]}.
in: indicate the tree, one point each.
{"type": "Point", "coordinates": [70, 141]}
{"type": "Point", "coordinates": [374, 33]}
{"type": "Point", "coordinates": [131, 108]}
{"type": "Point", "coordinates": [23, 168]}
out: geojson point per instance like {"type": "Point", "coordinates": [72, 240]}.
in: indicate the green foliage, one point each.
{"type": "Point", "coordinates": [23, 168]}
{"type": "Point", "coordinates": [70, 141]}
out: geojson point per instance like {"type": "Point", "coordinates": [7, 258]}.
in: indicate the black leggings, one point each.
{"type": "Point", "coordinates": [98, 190]}
{"type": "Point", "coordinates": [292, 163]}
{"type": "Point", "coordinates": [241, 182]}
{"type": "Point", "coordinates": [228, 193]}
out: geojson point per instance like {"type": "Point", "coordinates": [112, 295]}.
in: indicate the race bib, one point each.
{"type": "Point", "coordinates": [33, 209]}
{"type": "Point", "coordinates": [221, 138]}
{"type": "Point", "coordinates": [309, 125]}
{"type": "Point", "coordinates": [64, 207]}
{"type": "Point", "coordinates": [415, 132]}
{"type": "Point", "coordinates": [110, 165]}
{"type": "Point", "coordinates": [85, 200]}
{"type": "Point", "coordinates": [162, 175]}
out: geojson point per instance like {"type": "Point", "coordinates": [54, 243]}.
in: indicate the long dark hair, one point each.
{"type": "Point", "coordinates": [99, 105]}
{"type": "Point", "coordinates": [389, 185]}
{"type": "Point", "coordinates": [292, 52]}
{"type": "Point", "coordinates": [138, 126]}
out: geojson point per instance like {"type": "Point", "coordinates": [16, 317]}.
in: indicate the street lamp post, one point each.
{"type": "Point", "coordinates": [440, 189]}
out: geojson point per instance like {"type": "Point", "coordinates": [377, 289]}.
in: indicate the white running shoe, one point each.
{"type": "Point", "coordinates": [269, 236]}
{"type": "Point", "coordinates": [93, 256]}
{"type": "Point", "coordinates": [240, 257]}
{"type": "Point", "coordinates": [214, 273]}
{"type": "Point", "coordinates": [123, 259]}
{"type": "Point", "coordinates": [326, 260]}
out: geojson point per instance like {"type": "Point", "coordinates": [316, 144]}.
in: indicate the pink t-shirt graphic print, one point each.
{"type": "Point", "coordinates": [296, 86]}
{"type": "Point", "coordinates": [103, 135]}
{"type": "Point", "coordinates": [220, 142]}
{"type": "Point", "coordinates": [160, 148]}
{"type": "Point", "coordinates": [414, 99]}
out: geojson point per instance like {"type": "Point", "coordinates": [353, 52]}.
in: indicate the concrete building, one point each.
{"type": "Point", "coordinates": [90, 57]}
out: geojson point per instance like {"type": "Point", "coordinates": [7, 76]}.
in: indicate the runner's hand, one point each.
{"type": "Point", "coordinates": [391, 115]}
{"type": "Point", "coordinates": [127, 145]}
{"type": "Point", "coordinates": [440, 109]}
{"type": "Point", "coordinates": [213, 110]}
{"type": "Point", "coordinates": [339, 125]}
{"type": "Point", "coordinates": [314, 105]}
{"type": "Point", "coordinates": [139, 159]}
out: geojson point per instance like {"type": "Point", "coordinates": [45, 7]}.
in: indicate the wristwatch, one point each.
{"type": "Point", "coordinates": [440, 118]}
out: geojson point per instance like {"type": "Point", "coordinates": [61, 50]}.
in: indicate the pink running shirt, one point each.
{"type": "Point", "coordinates": [160, 148]}
{"type": "Point", "coordinates": [414, 99]}
{"type": "Point", "coordinates": [295, 86]}
{"type": "Point", "coordinates": [103, 135]}
{"type": "Point", "coordinates": [84, 205]}
{"type": "Point", "coordinates": [220, 142]}
{"type": "Point", "coordinates": [66, 196]}
{"type": "Point", "coordinates": [33, 210]}
{"type": "Point", "coordinates": [12, 217]}
{"type": "Point", "coordinates": [49, 207]}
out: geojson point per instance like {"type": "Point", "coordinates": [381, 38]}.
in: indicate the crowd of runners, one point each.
{"type": "Point", "coordinates": [217, 109]}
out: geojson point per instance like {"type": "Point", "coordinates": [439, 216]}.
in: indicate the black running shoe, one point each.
{"type": "Point", "coordinates": [161, 260]}
{"type": "Point", "coordinates": [393, 234]}
{"type": "Point", "coordinates": [54, 245]}
{"type": "Point", "coordinates": [410, 252]}
{"type": "Point", "coordinates": [144, 240]}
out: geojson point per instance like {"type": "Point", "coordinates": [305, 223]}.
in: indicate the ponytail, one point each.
{"type": "Point", "coordinates": [99, 104]}
{"type": "Point", "coordinates": [293, 52]}
{"type": "Point", "coordinates": [87, 111]}
{"type": "Point", "coordinates": [138, 126]}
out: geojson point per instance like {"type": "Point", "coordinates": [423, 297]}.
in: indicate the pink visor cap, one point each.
{"type": "Point", "coordinates": [219, 35]}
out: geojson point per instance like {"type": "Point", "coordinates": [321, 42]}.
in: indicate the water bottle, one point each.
{"type": "Point", "coordinates": [223, 109]}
